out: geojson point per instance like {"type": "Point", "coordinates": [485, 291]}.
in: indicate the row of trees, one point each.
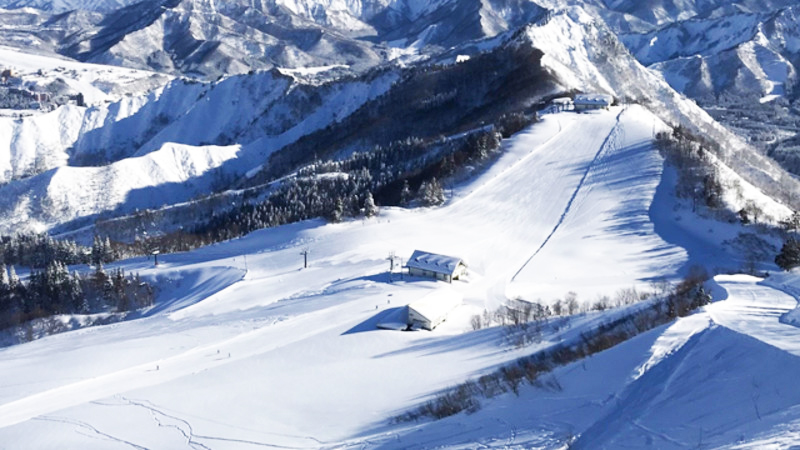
{"type": "Point", "coordinates": [55, 290]}
{"type": "Point", "coordinates": [677, 301]}
{"type": "Point", "coordinates": [38, 250]}
{"type": "Point", "coordinates": [699, 180]}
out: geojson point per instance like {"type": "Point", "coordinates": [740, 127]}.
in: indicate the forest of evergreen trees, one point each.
{"type": "Point", "coordinates": [54, 290]}
{"type": "Point", "coordinates": [399, 174]}
{"type": "Point", "coordinates": [699, 180]}
{"type": "Point", "coordinates": [38, 250]}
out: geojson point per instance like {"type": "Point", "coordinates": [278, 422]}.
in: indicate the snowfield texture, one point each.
{"type": "Point", "coordinates": [245, 349]}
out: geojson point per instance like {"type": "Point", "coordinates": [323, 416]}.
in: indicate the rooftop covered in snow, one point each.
{"type": "Point", "coordinates": [434, 263]}
{"type": "Point", "coordinates": [600, 100]}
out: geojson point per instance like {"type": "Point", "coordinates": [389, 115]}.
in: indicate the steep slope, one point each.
{"type": "Point", "coordinates": [660, 12]}
{"type": "Point", "coordinates": [718, 379]}
{"type": "Point", "coordinates": [293, 121]}
{"type": "Point", "coordinates": [587, 55]}
{"type": "Point", "coordinates": [198, 38]}
{"type": "Point", "coordinates": [173, 173]}
{"type": "Point", "coordinates": [296, 350]}
{"type": "Point", "coordinates": [728, 383]}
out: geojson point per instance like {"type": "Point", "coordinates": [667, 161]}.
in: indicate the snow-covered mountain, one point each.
{"type": "Point", "coordinates": [198, 38]}
{"type": "Point", "coordinates": [202, 110]}
{"type": "Point", "coordinates": [240, 334]}
{"type": "Point", "coordinates": [264, 112]}
{"type": "Point", "coordinates": [61, 6]}
{"type": "Point", "coordinates": [208, 39]}
{"type": "Point", "coordinates": [743, 54]}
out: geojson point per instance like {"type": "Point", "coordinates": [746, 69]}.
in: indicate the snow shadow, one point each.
{"type": "Point", "coordinates": [384, 277]}
{"type": "Point", "coordinates": [693, 386]}
{"type": "Point", "coordinates": [182, 289]}
{"type": "Point", "coordinates": [662, 213]}
{"type": "Point", "coordinates": [394, 315]}
{"type": "Point", "coordinates": [435, 345]}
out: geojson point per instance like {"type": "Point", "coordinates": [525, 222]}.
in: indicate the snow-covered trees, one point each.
{"type": "Point", "coordinates": [103, 251]}
{"type": "Point", "coordinates": [431, 193]}
{"type": "Point", "coordinates": [55, 291]}
{"type": "Point", "coordinates": [699, 179]}
{"type": "Point", "coordinates": [405, 194]}
{"type": "Point", "coordinates": [38, 250]}
{"type": "Point", "coordinates": [370, 209]}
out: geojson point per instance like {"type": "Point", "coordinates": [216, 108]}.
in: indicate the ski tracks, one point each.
{"type": "Point", "coordinates": [88, 427]}
{"type": "Point", "coordinates": [610, 143]}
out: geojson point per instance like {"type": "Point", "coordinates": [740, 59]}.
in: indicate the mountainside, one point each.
{"type": "Point", "coordinates": [292, 118]}
{"type": "Point", "coordinates": [207, 39]}
{"type": "Point", "coordinates": [661, 12]}
{"type": "Point", "coordinates": [739, 62]}
{"type": "Point", "coordinates": [207, 210]}
{"type": "Point", "coordinates": [193, 37]}
{"type": "Point", "coordinates": [297, 350]}
{"type": "Point", "coordinates": [251, 115]}
{"type": "Point", "coordinates": [751, 55]}
{"type": "Point", "coordinates": [60, 6]}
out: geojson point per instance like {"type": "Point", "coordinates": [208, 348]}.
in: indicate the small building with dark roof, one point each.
{"type": "Point", "coordinates": [440, 267]}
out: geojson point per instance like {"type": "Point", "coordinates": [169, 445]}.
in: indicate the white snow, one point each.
{"type": "Point", "coordinates": [246, 349]}
{"type": "Point", "coordinates": [434, 306]}
{"type": "Point", "coordinates": [172, 173]}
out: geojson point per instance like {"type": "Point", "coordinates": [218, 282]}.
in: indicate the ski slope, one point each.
{"type": "Point", "coordinates": [721, 378]}
{"type": "Point", "coordinates": [245, 349]}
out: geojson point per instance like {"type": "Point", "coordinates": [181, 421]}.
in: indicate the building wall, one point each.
{"type": "Point", "coordinates": [581, 107]}
{"type": "Point", "coordinates": [427, 273]}
{"type": "Point", "coordinates": [416, 319]}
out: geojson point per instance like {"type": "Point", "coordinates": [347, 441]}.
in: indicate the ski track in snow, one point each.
{"type": "Point", "coordinates": [608, 143]}
{"type": "Point", "coordinates": [86, 426]}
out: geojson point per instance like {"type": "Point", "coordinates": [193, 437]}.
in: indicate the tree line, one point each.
{"type": "Point", "coordinates": [54, 290]}
{"type": "Point", "coordinates": [38, 250]}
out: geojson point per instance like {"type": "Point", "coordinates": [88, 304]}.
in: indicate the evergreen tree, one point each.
{"type": "Point", "coordinates": [789, 255]}
{"type": "Point", "coordinates": [13, 278]}
{"type": "Point", "coordinates": [338, 211]}
{"type": "Point", "coordinates": [431, 193]}
{"type": "Point", "coordinates": [4, 283]}
{"type": "Point", "coordinates": [370, 209]}
{"type": "Point", "coordinates": [405, 194]}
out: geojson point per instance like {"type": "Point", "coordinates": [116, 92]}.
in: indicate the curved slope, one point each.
{"type": "Point", "coordinates": [730, 383]}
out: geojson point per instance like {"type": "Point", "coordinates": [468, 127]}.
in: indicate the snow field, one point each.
{"type": "Point", "coordinates": [263, 353]}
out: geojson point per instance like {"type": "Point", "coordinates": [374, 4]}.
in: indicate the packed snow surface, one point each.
{"type": "Point", "coordinates": [245, 349]}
